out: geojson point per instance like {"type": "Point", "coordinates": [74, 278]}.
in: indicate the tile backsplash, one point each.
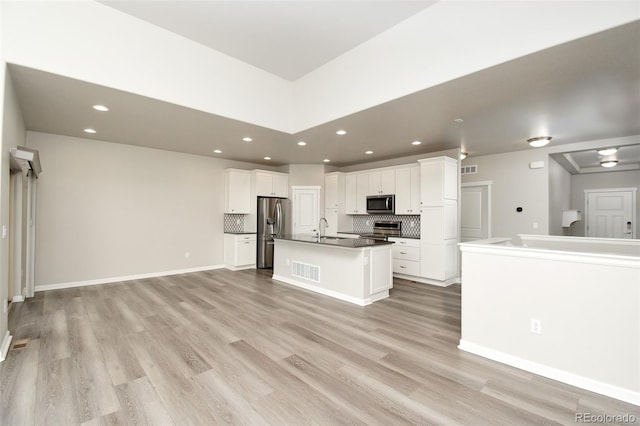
{"type": "Point", "coordinates": [233, 222]}
{"type": "Point", "coordinates": [364, 223]}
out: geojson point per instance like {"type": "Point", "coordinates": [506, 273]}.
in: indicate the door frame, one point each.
{"type": "Point", "coordinates": [295, 188]}
{"type": "Point", "coordinates": [484, 183]}
{"type": "Point", "coordinates": [633, 191]}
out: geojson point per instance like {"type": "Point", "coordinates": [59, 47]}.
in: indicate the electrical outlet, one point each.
{"type": "Point", "coordinates": [412, 224]}
{"type": "Point", "coordinates": [368, 222]}
{"type": "Point", "coordinates": [288, 262]}
{"type": "Point", "coordinates": [237, 221]}
{"type": "Point", "coordinates": [187, 255]}
{"type": "Point", "coordinates": [535, 225]}
{"type": "Point", "coordinates": [535, 326]}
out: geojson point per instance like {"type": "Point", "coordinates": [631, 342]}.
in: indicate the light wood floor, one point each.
{"type": "Point", "coordinates": [225, 347]}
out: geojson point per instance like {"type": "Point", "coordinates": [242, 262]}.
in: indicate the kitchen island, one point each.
{"type": "Point", "coordinates": [356, 270]}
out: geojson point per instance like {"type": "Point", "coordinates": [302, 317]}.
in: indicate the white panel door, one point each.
{"type": "Point", "coordinates": [474, 213]}
{"type": "Point", "coordinates": [306, 210]}
{"type": "Point", "coordinates": [610, 214]}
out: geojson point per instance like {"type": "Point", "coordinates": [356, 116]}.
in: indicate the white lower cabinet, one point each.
{"type": "Point", "coordinates": [239, 251]}
{"type": "Point", "coordinates": [406, 256]}
{"type": "Point", "coordinates": [439, 260]}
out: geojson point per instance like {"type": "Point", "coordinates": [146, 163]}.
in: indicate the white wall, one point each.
{"type": "Point", "coordinates": [559, 197]}
{"type": "Point", "coordinates": [308, 175]}
{"type": "Point", "coordinates": [13, 134]}
{"type": "Point", "coordinates": [445, 41]}
{"type": "Point", "coordinates": [623, 179]}
{"type": "Point", "coordinates": [514, 185]}
{"type": "Point", "coordinates": [92, 42]}
{"type": "Point", "coordinates": [109, 210]}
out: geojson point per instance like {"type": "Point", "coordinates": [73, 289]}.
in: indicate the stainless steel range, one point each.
{"type": "Point", "coordinates": [383, 229]}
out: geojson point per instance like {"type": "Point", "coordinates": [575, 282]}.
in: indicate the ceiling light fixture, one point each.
{"type": "Point", "coordinates": [89, 130]}
{"type": "Point", "coordinates": [247, 139]}
{"type": "Point", "coordinates": [459, 120]}
{"type": "Point", "coordinates": [341, 132]}
{"type": "Point", "coordinates": [610, 163]}
{"type": "Point", "coordinates": [101, 108]}
{"type": "Point", "coordinates": [217, 151]}
{"type": "Point", "coordinates": [463, 155]}
{"type": "Point", "coordinates": [326, 160]}
{"type": "Point", "coordinates": [607, 151]}
{"type": "Point", "coordinates": [302, 143]}
{"type": "Point", "coordinates": [539, 141]}
{"type": "Point", "coordinates": [267, 158]}
{"type": "Point", "coordinates": [416, 143]}
{"type": "Point", "coordinates": [368, 152]}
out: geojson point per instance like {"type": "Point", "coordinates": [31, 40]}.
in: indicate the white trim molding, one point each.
{"type": "Point", "coordinates": [334, 294]}
{"type": "Point", "coordinates": [6, 343]}
{"type": "Point", "coordinates": [572, 379]}
{"type": "Point", "coordinates": [124, 278]}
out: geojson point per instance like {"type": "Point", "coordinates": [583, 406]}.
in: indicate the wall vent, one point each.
{"type": "Point", "coordinates": [306, 271]}
{"type": "Point", "coordinates": [469, 170]}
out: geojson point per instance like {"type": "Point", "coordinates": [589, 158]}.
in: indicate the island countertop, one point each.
{"type": "Point", "coordinates": [335, 241]}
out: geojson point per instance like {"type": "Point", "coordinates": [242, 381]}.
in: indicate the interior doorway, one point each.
{"type": "Point", "coordinates": [475, 211]}
{"type": "Point", "coordinates": [305, 209]}
{"type": "Point", "coordinates": [610, 213]}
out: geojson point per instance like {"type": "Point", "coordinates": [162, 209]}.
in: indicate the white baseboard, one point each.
{"type": "Point", "coordinates": [124, 278]}
{"type": "Point", "coordinates": [239, 268]}
{"type": "Point", "coordinates": [19, 298]}
{"type": "Point", "coordinates": [330, 293]}
{"type": "Point", "coordinates": [627, 395]}
{"type": "Point", "coordinates": [423, 280]}
{"type": "Point", "coordinates": [6, 343]}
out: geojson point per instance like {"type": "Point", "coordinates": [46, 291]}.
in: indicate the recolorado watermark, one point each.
{"type": "Point", "coordinates": [606, 418]}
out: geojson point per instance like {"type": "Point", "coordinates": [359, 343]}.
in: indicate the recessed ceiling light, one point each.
{"type": "Point", "coordinates": [341, 132]}
{"type": "Point", "coordinates": [463, 155]}
{"type": "Point", "coordinates": [247, 139]}
{"type": "Point", "coordinates": [302, 143]}
{"type": "Point", "coordinates": [217, 151]}
{"type": "Point", "coordinates": [267, 158]}
{"type": "Point", "coordinates": [89, 130]}
{"type": "Point", "coordinates": [326, 160]}
{"type": "Point", "coordinates": [416, 143]}
{"type": "Point", "coordinates": [608, 163]}
{"type": "Point", "coordinates": [539, 141]}
{"type": "Point", "coordinates": [368, 152]}
{"type": "Point", "coordinates": [101, 108]}
{"type": "Point", "coordinates": [607, 151]}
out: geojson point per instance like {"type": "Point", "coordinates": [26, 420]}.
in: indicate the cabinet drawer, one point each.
{"type": "Point", "coordinates": [406, 253]}
{"type": "Point", "coordinates": [248, 237]}
{"type": "Point", "coordinates": [405, 242]}
{"type": "Point", "coordinates": [408, 267]}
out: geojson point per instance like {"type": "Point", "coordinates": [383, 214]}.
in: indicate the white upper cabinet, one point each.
{"type": "Point", "coordinates": [439, 181]}
{"type": "Point", "coordinates": [271, 184]}
{"type": "Point", "coordinates": [357, 189]}
{"type": "Point", "coordinates": [408, 190]}
{"type": "Point", "coordinates": [331, 191]}
{"type": "Point", "coordinates": [382, 182]}
{"type": "Point", "coordinates": [237, 190]}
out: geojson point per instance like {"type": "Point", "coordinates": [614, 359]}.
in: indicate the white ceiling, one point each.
{"type": "Point", "coordinates": [285, 38]}
{"type": "Point", "coordinates": [584, 90]}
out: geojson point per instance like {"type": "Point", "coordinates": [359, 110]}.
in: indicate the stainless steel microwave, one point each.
{"type": "Point", "coordinates": [381, 204]}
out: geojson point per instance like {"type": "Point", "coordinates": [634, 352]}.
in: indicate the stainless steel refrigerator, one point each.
{"type": "Point", "coordinates": [272, 220]}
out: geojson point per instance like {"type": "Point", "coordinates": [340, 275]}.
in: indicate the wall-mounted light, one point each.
{"type": "Point", "coordinates": [610, 163]}
{"type": "Point", "coordinates": [539, 141]}
{"type": "Point", "coordinates": [28, 155]}
{"type": "Point", "coordinates": [607, 151]}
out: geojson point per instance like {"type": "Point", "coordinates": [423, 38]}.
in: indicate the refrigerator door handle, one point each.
{"type": "Point", "coordinates": [278, 225]}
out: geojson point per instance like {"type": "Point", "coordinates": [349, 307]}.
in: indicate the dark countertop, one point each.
{"type": "Point", "coordinates": [240, 233]}
{"type": "Point", "coordinates": [335, 241]}
{"type": "Point", "coordinates": [412, 237]}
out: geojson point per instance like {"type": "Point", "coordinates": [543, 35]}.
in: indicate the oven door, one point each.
{"type": "Point", "coordinates": [381, 204]}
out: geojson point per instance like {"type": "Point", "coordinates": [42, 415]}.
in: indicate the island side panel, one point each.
{"type": "Point", "coordinates": [342, 270]}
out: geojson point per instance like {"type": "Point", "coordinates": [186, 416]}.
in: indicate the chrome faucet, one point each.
{"type": "Point", "coordinates": [326, 225]}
